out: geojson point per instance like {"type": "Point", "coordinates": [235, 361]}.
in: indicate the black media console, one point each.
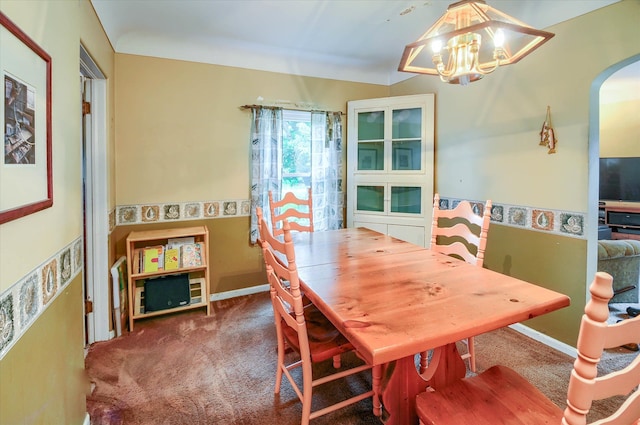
{"type": "Point", "coordinates": [624, 220]}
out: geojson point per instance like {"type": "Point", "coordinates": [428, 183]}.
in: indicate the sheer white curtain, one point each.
{"type": "Point", "coordinates": [266, 166]}
{"type": "Point", "coordinates": [326, 165]}
{"type": "Point", "coordinates": [326, 170]}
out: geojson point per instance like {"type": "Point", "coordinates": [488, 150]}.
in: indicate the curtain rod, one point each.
{"type": "Point", "coordinates": [296, 108]}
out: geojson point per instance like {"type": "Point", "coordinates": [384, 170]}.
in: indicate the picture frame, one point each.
{"type": "Point", "coordinates": [367, 159]}
{"type": "Point", "coordinates": [119, 278]}
{"type": "Point", "coordinates": [402, 159]}
{"type": "Point", "coordinates": [26, 184]}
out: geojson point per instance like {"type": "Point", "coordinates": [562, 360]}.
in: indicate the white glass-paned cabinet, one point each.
{"type": "Point", "coordinates": [390, 166]}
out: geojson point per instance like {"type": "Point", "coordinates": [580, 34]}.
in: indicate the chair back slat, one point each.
{"type": "Point", "coordinates": [627, 414]}
{"type": "Point", "coordinates": [284, 303]}
{"type": "Point", "coordinates": [460, 232]}
{"type": "Point", "coordinates": [282, 288]}
{"type": "Point", "coordinates": [458, 250]}
{"type": "Point", "coordinates": [596, 335]}
{"type": "Point", "coordinates": [618, 334]}
{"type": "Point", "coordinates": [618, 382]}
{"type": "Point", "coordinates": [290, 206]}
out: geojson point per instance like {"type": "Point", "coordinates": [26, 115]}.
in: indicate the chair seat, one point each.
{"type": "Point", "coordinates": [325, 341]}
{"type": "Point", "coordinates": [497, 396]}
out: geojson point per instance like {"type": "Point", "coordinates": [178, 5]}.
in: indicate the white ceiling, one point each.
{"type": "Point", "coordinates": [353, 40]}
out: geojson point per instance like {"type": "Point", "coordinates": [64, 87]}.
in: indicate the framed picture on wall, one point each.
{"type": "Point", "coordinates": [25, 169]}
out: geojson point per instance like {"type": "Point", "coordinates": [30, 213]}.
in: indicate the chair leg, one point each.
{"type": "Point", "coordinates": [376, 375]}
{"type": "Point", "coordinates": [337, 361]}
{"type": "Point", "coordinates": [424, 361]}
{"type": "Point", "coordinates": [307, 388]}
{"type": "Point", "coordinates": [472, 354]}
{"type": "Point", "coordinates": [281, 349]}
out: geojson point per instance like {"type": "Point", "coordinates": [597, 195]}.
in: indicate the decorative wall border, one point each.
{"type": "Point", "coordinates": [24, 301]}
{"type": "Point", "coordinates": [564, 223]}
{"type": "Point", "coordinates": [179, 211]}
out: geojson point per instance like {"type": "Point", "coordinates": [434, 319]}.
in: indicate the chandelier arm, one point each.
{"type": "Point", "coordinates": [488, 70]}
{"type": "Point", "coordinates": [480, 12]}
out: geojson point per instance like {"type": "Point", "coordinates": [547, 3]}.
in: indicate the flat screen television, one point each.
{"type": "Point", "coordinates": [620, 179]}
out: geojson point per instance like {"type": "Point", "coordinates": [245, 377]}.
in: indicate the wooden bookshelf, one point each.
{"type": "Point", "coordinates": [198, 275]}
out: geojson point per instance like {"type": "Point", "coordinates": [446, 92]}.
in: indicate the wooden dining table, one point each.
{"type": "Point", "coordinates": [393, 299]}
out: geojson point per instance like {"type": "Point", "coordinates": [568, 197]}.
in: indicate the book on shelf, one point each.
{"type": "Point", "coordinates": [191, 255]}
{"type": "Point", "coordinates": [177, 242]}
{"type": "Point", "coordinates": [153, 259]}
{"type": "Point", "coordinates": [171, 258]}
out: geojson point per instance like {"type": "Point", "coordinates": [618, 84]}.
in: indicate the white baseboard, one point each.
{"type": "Point", "coordinates": [545, 339]}
{"type": "Point", "coordinates": [87, 420]}
{"type": "Point", "coordinates": [239, 292]}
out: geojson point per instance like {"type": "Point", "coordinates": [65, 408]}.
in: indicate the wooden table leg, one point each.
{"type": "Point", "coordinates": [399, 393]}
{"type": "Point", "coordinates": [405, 383]}
{"type": "Point", "coordinates": [446, 366]}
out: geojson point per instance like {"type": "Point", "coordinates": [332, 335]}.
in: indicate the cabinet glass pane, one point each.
{"type": "Point", "coordinates": [407, 123]}
{"type": "Point", "coordinates": [370, 198]}
{"type": "Point", "coordinates": [406, 199]}
{"type": "Point", "coordinates": [406, 155]}
{"type": "Point", "coordinates": [371, 156]}
{"type": "Point", "coordinates": [371, 125]}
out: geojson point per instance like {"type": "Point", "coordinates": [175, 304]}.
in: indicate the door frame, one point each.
{"type": "Point", "coordinates": [593, 179]}
{"type": "Point", "coordinates": [96, 215]}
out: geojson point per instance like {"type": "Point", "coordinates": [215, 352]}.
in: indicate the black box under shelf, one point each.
{"type": "Point", "coordinates": [166, 292]}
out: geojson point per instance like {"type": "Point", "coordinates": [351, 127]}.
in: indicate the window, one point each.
{"type": "Point", "coordinates": [292, 151]}
{"type": "Point", "coordinates": [296, 152]}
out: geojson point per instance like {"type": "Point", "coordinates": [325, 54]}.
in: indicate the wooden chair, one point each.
{"type": "Point", "coordinates": [596, 335]}
{"type": "Point", "coordinates": [305, 329]}
{"type": "Point", "coordinates": [452, 233]}
{"type": "Point", "coordinates": [500, 395]}
{"type": "Point", "coordinates": [289, 207]}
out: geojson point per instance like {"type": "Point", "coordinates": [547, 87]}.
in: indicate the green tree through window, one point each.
{"type": "Point", "coordinates": [296, 152]}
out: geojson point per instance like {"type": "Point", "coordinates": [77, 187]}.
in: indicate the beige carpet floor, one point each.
{"type": "Point", "coordinates": [188, 368]}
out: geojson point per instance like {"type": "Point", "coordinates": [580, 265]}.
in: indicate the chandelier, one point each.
{"type": "Point", "coordinates": [471, 40]}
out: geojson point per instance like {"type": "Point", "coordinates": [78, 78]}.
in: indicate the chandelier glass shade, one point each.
{"type": "Point", "coordinates": [471, 40]}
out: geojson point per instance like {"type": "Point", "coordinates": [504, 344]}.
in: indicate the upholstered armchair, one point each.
{"type": "Point", "coordinates": [621, 259]}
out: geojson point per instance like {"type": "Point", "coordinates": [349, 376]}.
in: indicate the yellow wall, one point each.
{"type": "Point", "coordinates": [620, 126]}
{"type": "Point", "coordinates": [42, 378]}
{"type": "Point", "coordinates": [487, 138]}
{"type": "Point", "coordinates": [41, 372]}
{"type": "Point", "coordinates": [181, 135]}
